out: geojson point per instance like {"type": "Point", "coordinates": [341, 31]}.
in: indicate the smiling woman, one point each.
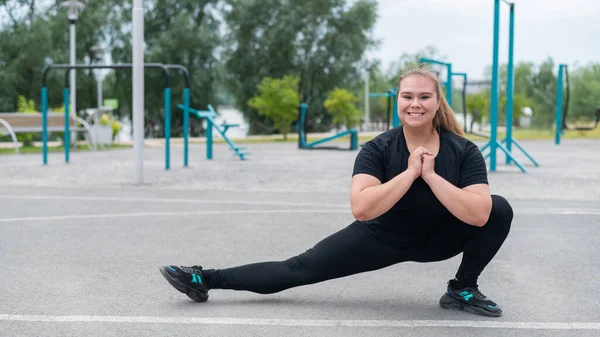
{"type": "Point", "coordinates": [419, 193]}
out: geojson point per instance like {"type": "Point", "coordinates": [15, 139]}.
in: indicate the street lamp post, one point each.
{"type": "Point", "coordinates": [73, 7]}
{"type": "Point", "coordinates": [97, 50]}
{"type": "Point", "coordinates": [138, 88]}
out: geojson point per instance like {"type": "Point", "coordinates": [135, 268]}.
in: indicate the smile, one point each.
{"type": "Point", "coordinates": [414, 114]}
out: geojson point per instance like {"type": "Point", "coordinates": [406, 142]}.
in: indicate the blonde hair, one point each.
{"type": "Point", "coordinates": [444, 117]}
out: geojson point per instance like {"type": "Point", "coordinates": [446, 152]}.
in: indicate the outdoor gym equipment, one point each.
{"type": "Point", "coordinates": [562, 110]}
{"type": "Point", "coordinates": [301, 128]}
{"type": "Point", "coordinates": [391, 102]}
{"type": "Point", "coordinates": [493, 143]}
{"type": "Point", "coordinates": [69, 67]}
{"type": "Point", "coordinates": [209, 115]}
{"type": "Point", "coordinates": [167, 103]}
{"type": "Point", "coordinates": [186, 106]}
{"type": "Point", "coordinates": [448, 85]}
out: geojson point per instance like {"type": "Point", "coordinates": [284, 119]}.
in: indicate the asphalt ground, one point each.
{"type": "Point", "coordinates": [81, 245]}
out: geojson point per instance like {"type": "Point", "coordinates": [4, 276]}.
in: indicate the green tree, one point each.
{"type": "Point", "coordinates": [323, 42]}
{"type": "Point", "coordinates": [341, 105]}
{"type": "Point", "coordinates": [479, 103]}
{"type": "Point", "coordinates": [278, 100]}
{"type": "Point", "coordinates": [520, 101]}
{"type": "Point", "coordinates": [182, 32]}
{"type": "Point", "coordinates": [37, 33]}
{"type": "Point", "coordinates": [585, 94]}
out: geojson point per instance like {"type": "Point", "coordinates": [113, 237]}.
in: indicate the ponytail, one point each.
{"type": "Point", "coordinates": [445, 119]}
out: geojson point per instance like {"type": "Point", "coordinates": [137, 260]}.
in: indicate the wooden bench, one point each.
{"type": "Point", "coordinates": [19, 122]}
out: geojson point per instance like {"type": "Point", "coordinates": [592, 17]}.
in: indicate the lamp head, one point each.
{"type": "Point", "coordinates": [73, 9]}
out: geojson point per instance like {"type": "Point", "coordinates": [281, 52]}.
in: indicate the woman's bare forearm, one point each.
{"type": "Point", "coordinates": [467, 206]}
{"type": "Point", "coordinates": [376, 200]}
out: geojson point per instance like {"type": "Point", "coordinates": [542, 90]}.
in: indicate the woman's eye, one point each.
{"type": "Point", "coordinates": [425, 97]}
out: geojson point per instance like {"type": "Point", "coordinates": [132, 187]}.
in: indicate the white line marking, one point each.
{"type": "Point", "coordinates": [168, 200]}
{"type": "Point", "coordinates": [143, 214]}
{"type": "Point", "coordinates": [525, 210]}
{"type": "Point", "coordinates": [558, 211]}
{"type": "Point", "coordinates": [307, 322]}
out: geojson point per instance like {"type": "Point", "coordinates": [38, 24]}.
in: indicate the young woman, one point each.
{"type": "Point", "coordinates": [419, 193]}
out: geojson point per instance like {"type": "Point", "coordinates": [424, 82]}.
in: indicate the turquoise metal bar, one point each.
{"type": "Point", "coordinates": [495, 93]}
{"type": "Point", "coordinates": [45, 124]}
{"type": "Point", "coordinates": [186, 125]}
{"type": "Point", "coordinates": [209, 138]}
{"type": "Point", "coordinates": [167, 127]}
{"type": "Point", "coordinates": [559, 103]}
{"type": "Point", "coordinates": [510, 84]}
{"type": "Point", "coordinates": [525, 152]}
{"type": "Point", "coordinates": [302, 135]}
{"type": "Point", "coordinates": [339, 135]}
{"type": "Point", "coordinates": [67, 139]}
{"type": "Point", "coordinates": [448, 76]}
{"type": "Point", "coordinates": [395, 117]}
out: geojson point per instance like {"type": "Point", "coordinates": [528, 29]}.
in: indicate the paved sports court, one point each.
{"type": "Point", "coordinates": [81, 246]}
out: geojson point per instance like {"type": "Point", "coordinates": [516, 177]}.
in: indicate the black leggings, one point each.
{"type": "Point", "coordinates": [356, 249]}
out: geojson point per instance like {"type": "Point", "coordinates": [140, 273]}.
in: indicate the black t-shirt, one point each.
{"type": "Point", "coordinates": [418, 213]}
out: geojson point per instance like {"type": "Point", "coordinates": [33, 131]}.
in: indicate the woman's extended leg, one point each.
{"type": "Point", "coordinates": [351, 250]}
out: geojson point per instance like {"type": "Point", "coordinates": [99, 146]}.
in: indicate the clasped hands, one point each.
{"type": "Point", "coordinates": [421, 163]}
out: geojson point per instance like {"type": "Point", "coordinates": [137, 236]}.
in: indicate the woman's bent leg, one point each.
{"type": "Point", "coordinates": [478, 244]}
{"type": "Point", "coordinates": [352, 250]}
{"type": "Point", "coordinates": [484, 242]}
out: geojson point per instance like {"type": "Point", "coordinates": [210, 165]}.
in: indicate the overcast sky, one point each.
{"type": "Point", "coordinates": [566, 30]}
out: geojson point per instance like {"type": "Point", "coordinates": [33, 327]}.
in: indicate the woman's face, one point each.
{"type": "Point", "coordinates": [417, 101]}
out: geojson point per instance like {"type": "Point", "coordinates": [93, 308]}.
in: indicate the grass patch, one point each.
{"type": "Point", "coordinates": [54, 149]}
{"type": "Point", "coordinates": [519, 134]}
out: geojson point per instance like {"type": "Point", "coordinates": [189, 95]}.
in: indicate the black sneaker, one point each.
{"type": "Point", "coordinates": [188, 280]}
{"type": "Point", "coordinates": [470, 300]}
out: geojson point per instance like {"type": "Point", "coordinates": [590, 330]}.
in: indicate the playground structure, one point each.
{"type": "Point", "coordinates": [392, 106]}
{"type": "Point", "coordinates": [304, 145]}
{"type": "Point", "coordinates": [508, 141]}
{"type": "Point", "coordinates": [66, 96]}
{"type": "Point", "coordinates": [167, 110]}
{"type": "Point", "coordinates": [209, 116]}
{"type": "Point", "coordinates": [562, 110]}
{"type": "Point", "coordinates": [448, 85]}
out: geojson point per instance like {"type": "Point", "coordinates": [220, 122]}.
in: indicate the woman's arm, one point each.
{"type": "Point", "coordinates": [369, 198]}
{"type": "Point", "coordinates": [471, 204]}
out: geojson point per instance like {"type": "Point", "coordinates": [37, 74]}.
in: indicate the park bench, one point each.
{"type": "Point", "coordinates": [19, 122]}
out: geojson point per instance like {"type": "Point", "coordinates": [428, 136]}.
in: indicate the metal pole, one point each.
{"type": "Point", "coordinates": [138, 89]}
{"type": "Point", "coordinates": [186, 125]}
{"type": "Point", "coordinates": [559, 103]}
{"type": "Point", "coordinates": [395, 117]}
{"type": "Point", "coordinates": [367, 121]}
{"type": "Point", "coordinates": [510, 84]}
{"type": "Point", "coordinates": [495, 93]}
{"type": "Point", "coordinates": [45, 124]}
{"type": "Point", "coordinates": [73, 61]}
{"type": "Point", "coordinates": [67, 140]}
{"type": "Point", "coordinates": [99, 93]}
{"type": "Point", "coordinates": [167, 127]}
